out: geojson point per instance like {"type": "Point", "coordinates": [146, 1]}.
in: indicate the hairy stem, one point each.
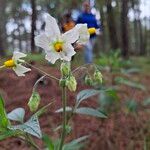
{"type": "Point", "coordinates": [43, 72]}
{"type": "Point", "coordinates": [31, 142]}
{"type": "Point", "coordinates": [64, 103]}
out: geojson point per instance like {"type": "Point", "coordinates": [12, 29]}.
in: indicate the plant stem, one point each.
{"type": "Point", "coordinates": [64, 102]}
{"type": "Point", "coordinates": [31, 142]}
{"type": "Point", "coordinates": [43, 72]}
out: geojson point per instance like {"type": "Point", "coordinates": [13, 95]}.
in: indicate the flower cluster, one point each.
{"type": "Point", "coordinates": [57, 45]}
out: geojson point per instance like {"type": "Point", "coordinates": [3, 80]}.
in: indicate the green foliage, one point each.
{"type": "Point", "coordinates": [84, 111]}
{"type": "Point", "coordinates": [146, 102]}
{"type": "Point", "coordinates": [83, 95]}
{"type": "Point", "coordinates": [31, 127]}
{"type": "Point", "coordinates": [112, 60]}
{"type": "Point", "coordinates": [90, 111]}
{"type": "Point", "coordinates": [130, 70]}
{"type": "Point", "coordinates": [4, 122]}
{"type": "Point", "coordinates": [76, 144]}
{"type": "Point", "coordinates": [120, 80]}
{"type": "Point", "coordinates": [17, 115]}
{"type": "Point", "coordinates": [131, 106]}
{"type": "Point", "coordinates": [48, 142]}
{"type": "Point", "coordinates": [108, 100]}
{"type": "Point", "coordinates": [9, 133]}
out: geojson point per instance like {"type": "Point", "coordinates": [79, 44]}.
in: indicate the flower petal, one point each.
{"type": "Point", "coordinates": [67, 53]}
{"type": "Point", "coordinates": [18, 55]}
{"type": "Point", "coordinates": [52, 56]}
{"type": "Point", "coordinates": [21, 70]}
{"type": "Point", "coordinates": [71, 36]}
{"type": "Point", "coordinates": [83, 33]}
{"type": "Point", "coordinates": [42, 41]}
{"type": "Point", "coordinates": [51, 27]}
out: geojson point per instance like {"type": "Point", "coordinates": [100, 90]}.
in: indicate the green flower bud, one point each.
{"type": "Point", "coordinates": [98, 76]}
{"type": "Point", "coordinates": [65, 68]}
{"type": "Point", "coordinates": [71, 83]}
{"type": "Point", "coordinates": [62, 82]}
{"type": "Point", "coordinates": [68, 129]}
{"type": "Point", "coordinates": [88, 80]}
{"type": "Point", "coordinates": [34, 101]}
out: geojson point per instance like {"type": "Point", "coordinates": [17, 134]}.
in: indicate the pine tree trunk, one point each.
{"type": "Point", "coordinates": [112, 25]}
{"type": "Point", "coordinates": [124, 28]}
{"type": "Point", "coordinates": [33, 25]}
{"type": "Point", "coordinates": [2, 28]}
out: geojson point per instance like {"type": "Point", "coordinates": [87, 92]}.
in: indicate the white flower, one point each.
{"type": "Point", "coordinates": [16, 64]}
{"type": "Point", "coordinates": [55, 44]}
{"type": "Point", "coordinates": [84, 34]}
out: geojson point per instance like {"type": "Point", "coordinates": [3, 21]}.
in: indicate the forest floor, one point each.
{"type": "Point", "coordinates": [118, 132]}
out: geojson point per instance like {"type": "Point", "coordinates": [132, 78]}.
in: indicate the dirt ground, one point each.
{"type": "Point", "coordinates": [118, 132]}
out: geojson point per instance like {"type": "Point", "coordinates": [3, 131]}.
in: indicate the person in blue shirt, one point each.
{"type": "Point", "coordinates": [87, 17]}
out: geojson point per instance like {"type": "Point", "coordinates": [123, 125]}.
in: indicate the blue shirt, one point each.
{"type": "Point", "coordinates": [89, 19]}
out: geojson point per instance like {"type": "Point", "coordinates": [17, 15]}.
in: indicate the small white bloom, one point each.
{"type": "Point", "coordinates": [16, 64]}
{"type": "Point", "coordinates": [84, 34]}
{"type": "Point", "coordinates": [55, 44]}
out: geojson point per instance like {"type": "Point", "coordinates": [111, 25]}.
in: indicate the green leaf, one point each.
{"type": "Point", "coordinates": [146, 102]}
{"type": "Point", "coordinates": [131, 106]}
{"type": "Point", "coordinates": [75, 144]}
{"type": "Point", "coordinates": [108, 99]}
{"type": "Point", "coordinates": [130, 71]}
{"type": "Point", "coordinates": [8, 133]}
{"type": "Point", "coordinates": [86, 94]}
{"type": "Point", "coordinates": [4, 122]}
{"type": "Point", "coordinates": [31, 126]}
{"type": "Point", "coordinates": [48, 142]}
{"type": "Point", "coordinates": [120, 80]}
{"type": "Point", "coordinates": [90, 111]}
{"type": "Point", "coordinates": [17, 115]}
{"type": "Point", "coordinates": [112, 93]}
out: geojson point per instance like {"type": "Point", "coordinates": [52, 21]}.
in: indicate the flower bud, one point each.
{"type": "Point", "coordinates": [62, 82]}
{"type": "Point", "coordinates": [88, 80]}
{"type": "Point", "coordinates": [65, 68]}
{"type": "Point", "coordinates": [98, 76]}
{"type": "Point", "coordinates": [71, 83]}
{"type": "Point", "coordinates": [34, 101]}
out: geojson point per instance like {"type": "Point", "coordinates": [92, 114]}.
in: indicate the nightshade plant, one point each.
{"type": "Point", "coordinates": [56, 46]}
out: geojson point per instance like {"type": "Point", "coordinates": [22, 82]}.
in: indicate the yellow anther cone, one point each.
{"type": "Point", "coordinates": [92, 30]}
{"type": "Point", "coordinates": [58, 47]}
{"type": "Point", "coordinates": [9, 63]}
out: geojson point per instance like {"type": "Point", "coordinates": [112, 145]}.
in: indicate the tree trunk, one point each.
{"type": "Point", "coordinates": [103, 36]}
{"type": "Point", "coordinates": [112, 25]}
{"type": "Point", "coordinates": [142, 50]}
{"type": "Point", "coordinates": [2, 28]}
{"type": "Point", "coordinates": [33, 25]}
{"type": "Point", "coordinates": [124, 28]}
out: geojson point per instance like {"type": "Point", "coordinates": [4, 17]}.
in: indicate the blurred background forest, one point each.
{"type": "Point", "coordinates": [125, 31]}
{"type": "Point", "coordinates": [124, 26]}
